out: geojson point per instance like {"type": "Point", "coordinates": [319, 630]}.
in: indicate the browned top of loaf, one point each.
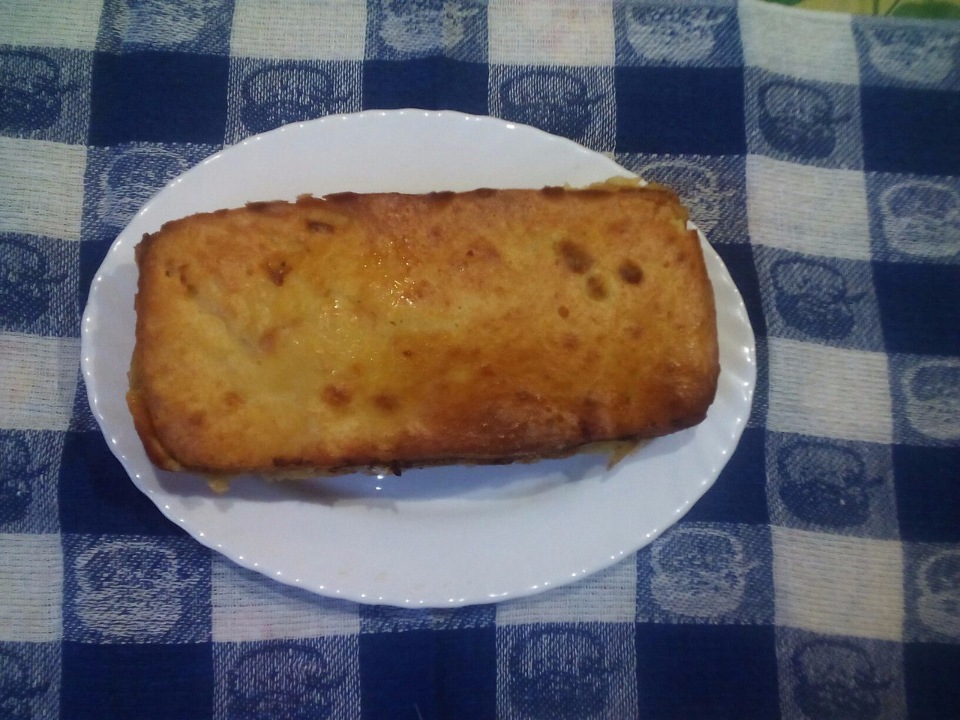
{"type": "Point", "coordinates": [405, 330]}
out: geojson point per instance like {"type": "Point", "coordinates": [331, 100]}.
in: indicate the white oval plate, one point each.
{"type": "Point", "coordinates": [438, 537]}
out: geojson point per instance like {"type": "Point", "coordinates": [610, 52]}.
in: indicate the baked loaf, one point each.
{"type": "Point", "coordinates": [391, 330]}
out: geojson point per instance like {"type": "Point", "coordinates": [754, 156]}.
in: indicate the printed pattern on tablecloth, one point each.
{"type": "Point", "coordinates": [264, 94]}
{"type": "Point", "coordinates": [562, 670]}
{"type": "Point", "coordinates": [28, 481]}
{"type": "Point", "coordinates": [836, 676]}
{"type": "Point", "coordinates": [819, 299]}
{"type": "Point", "coordinates": [121, 589]}
{"type": "Point", "coordinates": [403, 30]}
{"type": "Point", "coordinates": [802, 121]}
{"type": "Point", "coordinates": [199, 26]}
{"type": "Point", "coordinates": [120, 179]}
{"type": "Point", "coordinates": [45, 93]}
{"type": "Point", "coordinates": [932, 592]}
{"type": "Point", "coordinates": [40, 295]}
{"type": "Point", "coordinates": [918, 54]}
{"type": "Point", "coordinates": [820, 154]}
{"type": "Point", "coordinates": [572, 102]}
{"type": "Point", "coordinates": [315, 678]}
{"type": "Point", "coordinates": [29, 680]}
{"type": "Point", "coordinates": [914, 218]}
{"type": "Point", "coordinates": [707, 573]}
{"type": "Point", "coordinates": [679, 35]}
{"type": "Point", "coordinates": [835, 486]}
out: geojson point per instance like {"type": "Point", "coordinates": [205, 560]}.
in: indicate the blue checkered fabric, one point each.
{"type": "Point", "coordinates": [819, 578]}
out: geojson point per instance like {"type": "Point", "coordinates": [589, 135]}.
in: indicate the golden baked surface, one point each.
{"type": "Point", "coordinates": [405, 330]}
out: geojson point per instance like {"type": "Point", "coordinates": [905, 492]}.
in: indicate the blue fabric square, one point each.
{"type": "Point", "coordinates": [834, 486]}
{"type": "Point", "coordinates": [423, 674]}
{"type": "Point", "coordinates": [691, 671]}
{"type": "Point", "coordinates": [28, 480]}
{"type": "Point", "coordinates": [135, 589]}
{"type": "Point", "coordinates": [81, 419]}
{"type": "Point", "coordinates": [738, 495]}
{"type": "Point", "coordinates": [658, 34]}
{"type": "Point", "coordinates": [825, 300]}
{"type": "Point", "coordinates": [712, 187]}
{"type": "Point", "coordinates": [431, 83]}
{"type": "Point", "coordinates": [402, 30]}
{"type": "Point", "coordinates": [914, 218]}
{"type": "Point", "coordinates": [926, 399]}
{"type": "Point", "coordinates": [29, 680]}
{"type": "Point", "coordinates": [930, 676]}
{"type": "Point", "coordinates": [38, 293]}
{"type": "Point", "coordinates": [931, 592]}
{"type": "Point", "coordinates": [707, 573]}
{"type": "Point", "coordinates": [45, 93]}
{"type": "Point", "coordinates": [831, 676]}
{"type": "Point", "coordinates": [911, 131]}
{"type": "Point", "coordinates": [689, 111]}
{"type": "Point", "coordinates": [198, 26]}
{"type": "Point", "coordinates": [158, 97]}
{"type": "Point", "coordinates": [92, 253]}
{"type": "Point", "coordinates": [919, 307]}
{"type": "Point", "coordinates": [928, 493]}
{"type": "Point", "coordinates": [97, 495]}
{"type": "Point", "coordinates": [267, 94]}
{"type": "Point", "coordinates": [146, 682]}
{"type": "Point", "coordinates": [801, 121]}
{"type": "Point", "coordinates": [302, 679]}
{"type": "Point", "coordinates": [573, 102]}
{"type": "Point", "coordinates": [739, 261]}
{"type": "Point", "coordinates": [761, 393]}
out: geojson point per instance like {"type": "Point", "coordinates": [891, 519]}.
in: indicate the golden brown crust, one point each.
{"type": "Point", "coordinates": [406, 330]}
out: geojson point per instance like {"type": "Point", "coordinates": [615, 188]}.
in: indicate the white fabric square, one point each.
{"type": "Point", "coordinates": [827, 391]}
{"type": "Point", "coordinates": [553, 33]}
{"type": "Point", "coordinates": [41, 184]}
{"type": "Point", "coordinates": [66, 23]}
{"type": "Point", "coordinates": [38, 381]}
{"type": "Point", "coordinates": [299, 29]}
{"type": "Point", "coordinates": [31, 588]}
{"type": "Point", "coordinates": [607, 596]}
{"type": "Point", "coordinates": [838, 585]}
{"type": "Point", "coordinates": [813, 46]}
{"type": "Point", "coordinates": [248, 606]}
{"type": "Point", "coordinates": [807, 209]}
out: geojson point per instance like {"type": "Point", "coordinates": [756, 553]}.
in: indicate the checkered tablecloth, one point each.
{"type": "Point", "coordinates": [819, 578]}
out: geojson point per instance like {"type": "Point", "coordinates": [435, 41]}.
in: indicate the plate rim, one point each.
{"type": "Point", "coordinates": [88, 353]}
